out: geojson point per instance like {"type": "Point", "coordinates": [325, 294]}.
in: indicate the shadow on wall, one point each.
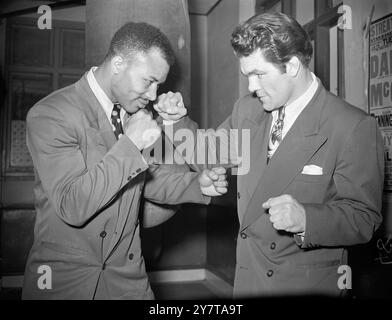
{"type": "Point", "coordinates": [371, 265]}
{"type": "Point", "coordinates": [179, 243]}
{"type": "Point", "coordinates": [196, 237]}
{"type": "Point", "coordinates": [173, 79]}
{"type": "Point", "coordinates": [2, 88]}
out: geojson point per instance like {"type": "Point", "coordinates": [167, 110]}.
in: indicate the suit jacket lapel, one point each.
{"type": "Point", "coordinates": [95, 113]}
{"type": "Point", "coordinates": [300, 143]}
{"type": "Point", "coordinates": [258, 151]}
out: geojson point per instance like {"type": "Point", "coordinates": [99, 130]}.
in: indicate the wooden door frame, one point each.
{"type": "Point", "coordinates": [326, 17]}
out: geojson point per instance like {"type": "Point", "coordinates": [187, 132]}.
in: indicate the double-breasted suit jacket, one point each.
{"type": "Point", "coordinates": [342, 201]}
{"type": "Point", "coordinates": [88, 189]}
{"type": "Point", "coordinates": [343, 204]}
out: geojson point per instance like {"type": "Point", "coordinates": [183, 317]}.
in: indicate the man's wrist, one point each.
{"type": "Point", "coordinates": [169, 122]}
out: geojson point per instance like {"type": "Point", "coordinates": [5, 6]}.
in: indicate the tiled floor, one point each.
{"type": "Point", "coordinates": [183, 291]}
{"type": "Point", "coordinates": [190, 290]}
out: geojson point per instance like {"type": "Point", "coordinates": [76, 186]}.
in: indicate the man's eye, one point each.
{"type": "Point", "coordinates": [260, 76]}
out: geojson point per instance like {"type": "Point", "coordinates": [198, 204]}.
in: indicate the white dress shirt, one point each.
{"type": "Point", "coordinates": [101, 96]}
{"type": "Point", "coordinates": [294, 109]}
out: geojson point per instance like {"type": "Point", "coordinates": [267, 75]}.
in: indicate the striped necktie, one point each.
{"type": "Point", "coordinates": [276, 133]}
{"type": "Point", "coordinates": [116, 121]}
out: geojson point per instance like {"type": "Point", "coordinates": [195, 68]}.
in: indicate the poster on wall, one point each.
{"type": "Point", "coordinates": [380, 85]}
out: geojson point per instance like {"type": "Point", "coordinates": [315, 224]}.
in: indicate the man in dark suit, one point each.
{"type": "Point", "coordinates": [86, 141]}
{"type": "Point", "coordinates": [315, 180]}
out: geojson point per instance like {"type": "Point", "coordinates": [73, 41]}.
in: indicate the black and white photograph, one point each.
{"type": "Point", "coordinates": [202, 157]}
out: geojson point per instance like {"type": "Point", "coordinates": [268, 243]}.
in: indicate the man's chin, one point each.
{"type": "Point", "coordinates": [133, 108]}
{"type": "Point", "coordinates": [270, 108]}
{"type": "Point", "coordinates": [266, 106]}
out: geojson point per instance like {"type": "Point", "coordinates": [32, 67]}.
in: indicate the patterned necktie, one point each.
{"type": "Point", "coordinates": [116, 121]}
{"type": "Point", "coordinates": [276, 133]}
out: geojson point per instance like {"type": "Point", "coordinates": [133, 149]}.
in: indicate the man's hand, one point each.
{"type": "Point", "coordinates": [170, 106]}
{"type": "Point", "coordinates": [213, 182]}
{"type": "Point", "coordinates": [286, 213]}
{"type": "Point", "coordinates": [142, 129]}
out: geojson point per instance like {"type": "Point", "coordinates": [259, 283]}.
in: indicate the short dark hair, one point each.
{"type": "Point", "coordinates": [135, 37]}
{"type": "Point", "coordinates": [280, 37]}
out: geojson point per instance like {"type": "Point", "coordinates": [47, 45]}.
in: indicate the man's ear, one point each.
{"type": "Point", "coordinates": [118, 64]}
{"type": "Point", "coordinates": [293, 66]}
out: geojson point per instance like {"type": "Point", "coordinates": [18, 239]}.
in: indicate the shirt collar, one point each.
{"type": "Point", "coordinates": [293, 110]}
{"type": "Point", "coordinates": [296, 107]}
{"type": "Point", "coordinates": [101, 96]}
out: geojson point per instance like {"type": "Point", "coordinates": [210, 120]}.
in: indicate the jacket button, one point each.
{"type": "Point", "coordinates": [103, 234]}
{"type": "Point", "coordinates": [243, 235]}
{"type": "Point", "coordinates": [138, 170]}
{"type": "Point", "coordinates": [238, 195]}
{"type": "Point", "coordinates": [270, 273]}
{"type": "Point", "coordinates": [130, 257]}
{"type": "Point", "coordinates": [273, 245]}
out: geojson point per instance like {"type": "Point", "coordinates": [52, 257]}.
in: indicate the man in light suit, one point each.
{"type": "Point", "coordinates": [316, 168]}
{"type": "Point", "coordinates": [86, 141]}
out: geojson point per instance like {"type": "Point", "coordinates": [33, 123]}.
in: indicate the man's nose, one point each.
{"type": "Point", "coordinates": [152, 93]}
{"type": "Point", "coordinates": [253, 85]}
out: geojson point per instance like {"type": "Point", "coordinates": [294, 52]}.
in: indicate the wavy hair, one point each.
{"type": "Point", "coordinates": [279, 36]}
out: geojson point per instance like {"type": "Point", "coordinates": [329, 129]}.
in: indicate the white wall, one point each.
{"type": "Point", "coordinates": [199, 70]}
{"type": "Point", "coordinates": [246, 10]}
{"type": "Point", "coordinates": [304, 12]}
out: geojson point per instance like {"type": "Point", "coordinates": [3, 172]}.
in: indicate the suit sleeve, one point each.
{"type": "Point", "coordinates": [154, 214]}
{"type": "Point", "coordinates": [76, 192]}
{"type": "Point", "coordinates": [165, 185]}
{"type": "Point", "coordinates": [355, 213]}
{"type": "Point", "coordinates": [207, 148]}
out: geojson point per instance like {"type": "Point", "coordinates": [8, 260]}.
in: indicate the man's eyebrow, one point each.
{"type": "Point", "coordinates": [253, 71]}
{"type": "Point", "coordinates": [155, 79]}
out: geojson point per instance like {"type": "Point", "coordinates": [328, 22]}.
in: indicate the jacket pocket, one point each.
{"type": "Point", "coordinates": [319, 264]}
{"type": "Point", "coordinates": [313, 178]}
